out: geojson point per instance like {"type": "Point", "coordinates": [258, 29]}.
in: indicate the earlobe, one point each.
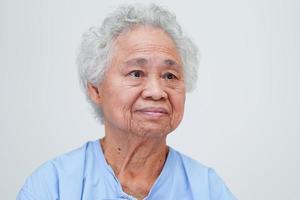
{"type": "Point", "coordinates": [94, 93]}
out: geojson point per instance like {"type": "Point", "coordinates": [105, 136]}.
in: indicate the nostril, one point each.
{"type": "Point", "coordinates": [154, 94]}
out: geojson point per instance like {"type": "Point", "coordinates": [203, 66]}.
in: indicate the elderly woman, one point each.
{"type": "Point", "coordinates": [135, 70]}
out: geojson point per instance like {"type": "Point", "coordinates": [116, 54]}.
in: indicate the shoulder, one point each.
{"type": "Point", "coordinates": [192, 166]}
{"type": "Point", "coordinates": [75, 159]}
{"type": "Point", "coordinates": [44, 182]}
{"type": "Point", "coordinates": [203, 179]}
{"type": "Point", "coordinates": [41, 184]}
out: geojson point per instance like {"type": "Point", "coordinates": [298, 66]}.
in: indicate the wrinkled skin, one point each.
{"type": "Point", "coordinates": [143, 91]}
{"type": "Point", "coordinates": [142, 98]}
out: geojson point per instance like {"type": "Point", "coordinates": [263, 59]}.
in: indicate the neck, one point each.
{"type": "Point", "coordinates": [136, 160]}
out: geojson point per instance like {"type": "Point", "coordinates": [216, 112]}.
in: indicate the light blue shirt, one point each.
{"type": "Point", "coordinates": [84, 174]}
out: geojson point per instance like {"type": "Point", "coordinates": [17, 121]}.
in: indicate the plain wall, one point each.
{"type": "Point", "coordinates": [243, 118]}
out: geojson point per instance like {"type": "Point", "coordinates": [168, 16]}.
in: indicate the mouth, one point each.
{"type": "Point", "coordinates": [153, 112]}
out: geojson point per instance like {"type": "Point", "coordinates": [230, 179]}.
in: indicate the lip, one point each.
{"type": "Point", "coordinates": [153, 111]}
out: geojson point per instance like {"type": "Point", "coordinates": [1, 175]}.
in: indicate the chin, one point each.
{"type": "Point", "coordinates": [152, 129]}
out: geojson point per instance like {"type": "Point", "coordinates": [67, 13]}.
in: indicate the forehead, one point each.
{"type": "Point", "coordinates": [145, 42]}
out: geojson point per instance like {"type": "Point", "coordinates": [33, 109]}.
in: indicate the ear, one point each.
{"type": "Point", "coordinates": [94, 93]}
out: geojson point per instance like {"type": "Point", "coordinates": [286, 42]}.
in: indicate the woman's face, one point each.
{"type": "Point", "coordinates": [143, 91]}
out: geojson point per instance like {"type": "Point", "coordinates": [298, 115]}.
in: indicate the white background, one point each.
{"type": "Point", "coordinates": [243, 118]}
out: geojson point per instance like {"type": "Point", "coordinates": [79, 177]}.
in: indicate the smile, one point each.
{"type": "Point", "coordinates": [153, 112]}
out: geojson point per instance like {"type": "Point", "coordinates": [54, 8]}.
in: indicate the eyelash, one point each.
{"type": "Point", "coordinates": [168, 76]}
{"type": "Point", "coordinates": [139, 74]}
{"type": "Point", "coordinates": [135, 73]}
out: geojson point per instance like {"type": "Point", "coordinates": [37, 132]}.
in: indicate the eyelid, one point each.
{"type": "Point", "coordinates": [175, 75]}
{"type": "Point", "coordinates": [134, 71]}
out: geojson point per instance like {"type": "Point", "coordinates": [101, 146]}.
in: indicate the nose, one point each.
{"type": "Point", "coordinates": [154, 89]}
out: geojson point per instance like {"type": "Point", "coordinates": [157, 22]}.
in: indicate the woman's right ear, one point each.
{"type": "Point", "coordinates": [94, 93]}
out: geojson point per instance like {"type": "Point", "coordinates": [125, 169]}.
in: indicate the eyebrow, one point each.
{"type": "Point", "coordinates": [141, 62]}
{"type": "Point", "coordinates": [136, 62]}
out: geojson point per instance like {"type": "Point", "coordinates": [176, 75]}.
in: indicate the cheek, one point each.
{"type": "Point", "coordinates": [119, 102]}
{"type": "Point", "coordinates": [178, 101]}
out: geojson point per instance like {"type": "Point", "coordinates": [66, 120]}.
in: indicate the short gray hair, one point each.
{"type": "Point", "coordinates": [94, 49]}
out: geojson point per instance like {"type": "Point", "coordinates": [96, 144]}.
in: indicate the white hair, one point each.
{"type": "Point", "coordinates": [94, 49]}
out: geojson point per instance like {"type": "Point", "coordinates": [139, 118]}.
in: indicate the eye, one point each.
{"type": "Point", "coordinates": [169, 76]}
{"type": "Point", "coordinates": [136, 74]}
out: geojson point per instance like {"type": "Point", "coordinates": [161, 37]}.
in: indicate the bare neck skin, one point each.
{"type": "Point", "coordinates": [136, 160]}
